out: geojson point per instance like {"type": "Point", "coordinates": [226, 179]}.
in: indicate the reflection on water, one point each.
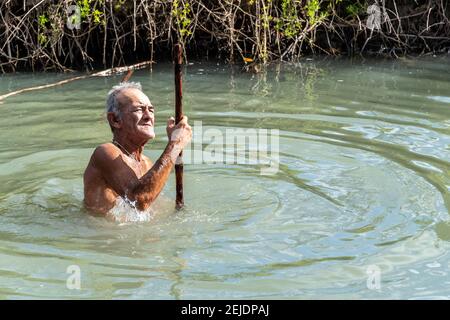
{"type": "Point", "coordinates": [363, 182]}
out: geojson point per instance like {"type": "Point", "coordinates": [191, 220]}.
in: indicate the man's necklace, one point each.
{"type": "Point", "coordinates": [131, 156]}
{"type": "Point", "coordinates": [126, 151]}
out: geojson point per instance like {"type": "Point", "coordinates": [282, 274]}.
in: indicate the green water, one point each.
{"type": "Point", "coordinates": [363, 182]}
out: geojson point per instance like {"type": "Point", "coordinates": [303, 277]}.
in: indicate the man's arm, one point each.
{"type": "Point", "coordinates": [151, 184]}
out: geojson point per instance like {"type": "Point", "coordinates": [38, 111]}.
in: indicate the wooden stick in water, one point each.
{"type": "Point", "coordinates": [179, 202]}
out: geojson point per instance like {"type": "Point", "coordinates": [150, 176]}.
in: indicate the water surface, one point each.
{"type": "Point", "coordinates": [363, 184]}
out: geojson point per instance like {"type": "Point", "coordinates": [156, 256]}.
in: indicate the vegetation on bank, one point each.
{"type": "Point", "coordinates": [92, 34]}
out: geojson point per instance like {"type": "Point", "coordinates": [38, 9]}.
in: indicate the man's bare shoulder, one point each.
{"type": "Point", "coordinates": [105, 152]}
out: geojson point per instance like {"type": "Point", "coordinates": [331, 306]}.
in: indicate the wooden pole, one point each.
{"type": "Point", "coordinates": [179, 202]}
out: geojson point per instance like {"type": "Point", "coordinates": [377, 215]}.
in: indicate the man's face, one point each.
{"type": "Point", "coordinates": [138, 116]}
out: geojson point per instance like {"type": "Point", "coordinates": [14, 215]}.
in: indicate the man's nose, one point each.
{"type": "Point", "coordinates": [147, 114]}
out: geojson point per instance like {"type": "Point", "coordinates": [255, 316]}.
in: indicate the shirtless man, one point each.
{"type": "Point", "coordinates": [119, 169]}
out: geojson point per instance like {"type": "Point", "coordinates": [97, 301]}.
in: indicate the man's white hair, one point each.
{"type": "Point", "coordinates": [112, 104]}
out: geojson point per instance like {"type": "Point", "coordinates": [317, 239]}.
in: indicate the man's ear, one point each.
{"type": "Point", "coordinates": [114, 120]}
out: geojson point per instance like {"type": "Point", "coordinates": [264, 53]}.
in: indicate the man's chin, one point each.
{"type": "Point", "coordinates": [150, 134]}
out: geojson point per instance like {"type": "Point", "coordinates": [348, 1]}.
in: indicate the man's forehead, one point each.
{"type": "Point", "coordinates": [134, 96]}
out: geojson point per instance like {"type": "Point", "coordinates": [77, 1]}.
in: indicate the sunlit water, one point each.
{"type": "Point", "coordinates": [362, 186]}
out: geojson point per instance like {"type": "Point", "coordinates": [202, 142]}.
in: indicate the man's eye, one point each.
{"type": "Point", "coordinates": [151, 110]}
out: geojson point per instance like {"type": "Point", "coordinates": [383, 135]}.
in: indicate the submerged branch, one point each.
{"type": "Point", "coordinates": [104, 73]}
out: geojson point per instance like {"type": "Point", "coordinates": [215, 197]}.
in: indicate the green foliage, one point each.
{"type": "Point", "coordinates": [312, 8]}
{"type": "Point", "coordinates": [42, 39]}
{"type": "Point", "coordinates": [119, 5]}
{"type": "Point", "coordinates": [355, 9]}
{"type": "Point", "coordinates": [289, 23]}
{"type": "Point", "coordinates": [89, 11]}
{"type": "Point", "coordinates": [42, 20]}
{"type": "Point", "coordinates": [313, 12]}
{"type": "Point", "coordinates": [181, 11]}
{"type": "Point", "coordinates": [85, 8]}
{"type": "Point", "coordinates": [264, 29]}
{"type": "Point", "coordinates": [42, 28]}
{"type": "Point", "coordinates": [333, 4]}
{"type": "Point", "coordinates": [97, 15]}
{"type": "Point", "coordinates": [265, 17]}
{"type": "Point", "coordinates": [50, 22]}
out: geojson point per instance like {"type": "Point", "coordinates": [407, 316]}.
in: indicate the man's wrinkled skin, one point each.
{"type": "Point", "coordinates": [112, 171]}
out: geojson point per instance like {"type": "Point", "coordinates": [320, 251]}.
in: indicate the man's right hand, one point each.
{"type": "Point", "coordinates": [181, 133]}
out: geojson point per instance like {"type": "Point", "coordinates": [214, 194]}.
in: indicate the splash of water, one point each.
{"type": "Point", "coordinates": [125, 211]}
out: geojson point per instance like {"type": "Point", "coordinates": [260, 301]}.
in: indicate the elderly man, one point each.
{"type": "Point", "coordinates": [119, 169]}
